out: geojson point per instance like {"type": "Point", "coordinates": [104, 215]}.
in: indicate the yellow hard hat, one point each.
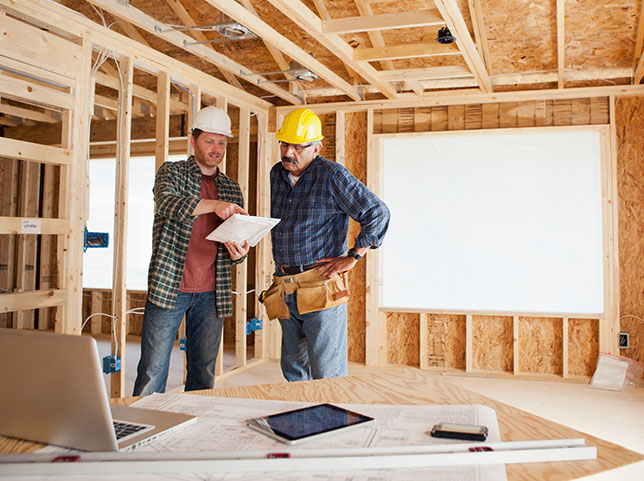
{"type": "Point", "coordinates": [300, 127]}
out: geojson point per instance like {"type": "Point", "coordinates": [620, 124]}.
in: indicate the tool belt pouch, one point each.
{"type": "Point", "coordinates": [319, 295]}
{"type": "Point", "coordinates": [274, 302]}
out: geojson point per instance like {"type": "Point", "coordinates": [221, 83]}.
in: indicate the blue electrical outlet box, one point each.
{"type": "Point", "coordinates": [253, 325]}
{"type": "Point", "coordinates": [95, 239]}
{"type": "Point", "coordinates": [111, 364]}
{"type": "Point", "coordinates": [182, 343]}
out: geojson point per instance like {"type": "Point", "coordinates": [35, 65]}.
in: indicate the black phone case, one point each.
{"type": "Point", "coordinates": [465, 436]}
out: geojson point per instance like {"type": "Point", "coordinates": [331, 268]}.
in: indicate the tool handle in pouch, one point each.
{"type": "Point", "coordinates": [273, 300]}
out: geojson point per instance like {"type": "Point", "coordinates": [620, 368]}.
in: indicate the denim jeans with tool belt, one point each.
{"type": "Point", "coordinates": [313, 316]}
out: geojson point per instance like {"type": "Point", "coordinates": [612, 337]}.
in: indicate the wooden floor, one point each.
{"type": "Point", "coordinates": [616, 416]}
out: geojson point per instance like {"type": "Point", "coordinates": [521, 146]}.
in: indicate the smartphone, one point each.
{"type": "Point", "coordinates": [468, 432]}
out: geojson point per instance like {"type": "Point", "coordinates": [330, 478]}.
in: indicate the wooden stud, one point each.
{"type": "Point", "coordinates": [476, 12]}
{"type": "Point", "coordinates": [469, 344]}
{"type": "Point", "coordinates": [262, 250]}
{"type": "Point", "coordinates": [516, 346]}
{"type": "Point", "coordinates": [565, 335]}
{"type": "Point", "coordinates": [411, 50]}
{"type": "Point", "coordinates": [162, 142]}
{"type": "Point", "coordinates": [424, 340]}
{"type": "Point", "coordinates": [339, 138]}
{"type": "Point", "coordinates": [241, 273]}
{"type": "Point", "coordinates": [47, 272]}
{"type": "Point", "coordinates": [119, 291]}
{"type": "Point", "coordinates": [96, 322]}
{"type": "Point", "coordinates": [27, 244]}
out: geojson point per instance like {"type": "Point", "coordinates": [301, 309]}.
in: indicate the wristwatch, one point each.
{"type": "Point", "coordinates": [352, 253]}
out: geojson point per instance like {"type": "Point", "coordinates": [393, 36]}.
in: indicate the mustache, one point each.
{"type": "Point", "coordinates": [289, 159]}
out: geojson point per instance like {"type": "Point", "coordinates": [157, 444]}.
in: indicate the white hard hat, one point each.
{"type": "Point", "coordinates": [214, 120]}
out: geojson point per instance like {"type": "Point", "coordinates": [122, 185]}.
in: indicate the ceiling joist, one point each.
{"type": "Point", "coordinates": [385, 21]}
{"type": "Point", "coordinates": [411, 50]}
{"type": "Point", "coordinates": [178, 39]}
{"type": "Point", "coordinates": [456, 24]}
{"type": "Point", "coordinates": [183, 14]}
{"type": "Point", "coordinates": [482, 45]}
{"type": "Point", "coordinates": [270, 35]}
{"type": "Point", "coordinates": [312, 25]}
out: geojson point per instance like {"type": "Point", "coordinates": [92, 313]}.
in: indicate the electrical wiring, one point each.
{"type": "Point", "coordinates": [135, 310]}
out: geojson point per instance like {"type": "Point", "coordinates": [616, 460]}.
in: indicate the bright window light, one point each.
{"type": "Point", "coordinates": [97, 263]}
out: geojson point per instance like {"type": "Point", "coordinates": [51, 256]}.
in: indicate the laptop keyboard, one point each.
{"type": "Point", "coordinates": [127, 429]}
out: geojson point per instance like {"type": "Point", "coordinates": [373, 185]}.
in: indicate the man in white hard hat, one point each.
{"type": "Point", "coordinates": [190, 275]}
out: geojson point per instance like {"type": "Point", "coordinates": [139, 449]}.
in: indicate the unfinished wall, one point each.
{"type": "Point", "coordinates": [521, 345]}
{"type": "Point", "coordinates": [629, 120]}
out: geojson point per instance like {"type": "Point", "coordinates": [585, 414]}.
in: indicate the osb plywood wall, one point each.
{"type": "Point", "coordinates": [540, 341]}
{"type": "Point", "coordinates": [629, 119]}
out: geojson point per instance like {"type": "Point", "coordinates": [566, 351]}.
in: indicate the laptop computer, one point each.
{"type": "Point", "coordinates": [53, 393]}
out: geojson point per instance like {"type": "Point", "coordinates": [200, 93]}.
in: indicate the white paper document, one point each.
{"type": "Point", "coordinates": [221, 426]}
{"type": "Point", "coordinates": [243, 227]}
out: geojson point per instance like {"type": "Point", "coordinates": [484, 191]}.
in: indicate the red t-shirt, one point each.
{"type": "Point", "coordinates": [199, 274]}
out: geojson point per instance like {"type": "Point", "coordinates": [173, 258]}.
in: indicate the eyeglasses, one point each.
{"type": "Point", "coordinates": [299, 148]}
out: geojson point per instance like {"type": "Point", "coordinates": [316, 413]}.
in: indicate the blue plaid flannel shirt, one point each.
{"type": "Point", "coordinates": [315, 213]}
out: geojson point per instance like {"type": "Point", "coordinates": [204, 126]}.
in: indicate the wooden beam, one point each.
{"type": "Point", "coordinates": [639, 71]}
{"type": "Point", "coordinates": [312, 25]}
{"type": "Point", "coordinates": [13, 225]}
{"type": "Point", "coordinates": [32, 300]}
{"type": "Point", "coordinates": [33, 92]}
{"type": "Point", "coordinates": [132, 32]}
{"type": "Point", "coordinates": [241, 270]}
{"type": "Point", "coordinates": [270, 35]}
{"type": "Point", "coordinates": [386, 21]}
{"type": "Point", "coordinates": [39, 48]}
{"type": "Point", "coordinates": [162, 127]}
{"type": "Point", "coordinates": [178, 39]}
{"type": "Point", "coordinates": [146, 59]}
{"type": "Point", "coordinates": [186, 18]}
{"type": "Point", "coordinates": [561, 39]}
{"type": "Point", "coordinates": [50, 117]}
{"type": "Point", "coordinates": [119, 291]}
{"type": "Point", "coordinates": [480, 35]}
{"type": "Point", "coordinates": [18, 149]}
{"type": "Point", "coordinates": [150, 96]}
{"type": "Point", "coordinates": [410, 50]}
{"type": "Point", "coordinates": [639, 50]}
{"type": "Point", "coordinates": [454, 20]}
{"type": "Point", "coordinates": [429, 73]}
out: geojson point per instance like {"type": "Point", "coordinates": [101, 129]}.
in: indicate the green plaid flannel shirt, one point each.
{"type": "Point", "coordinates": [176, 194]}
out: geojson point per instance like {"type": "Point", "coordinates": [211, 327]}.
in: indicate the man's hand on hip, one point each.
{"type": "Point", "coordinates": [335, 265]}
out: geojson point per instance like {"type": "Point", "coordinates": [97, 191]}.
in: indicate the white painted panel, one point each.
{"type": "Point", "coordinates": [502, 221]}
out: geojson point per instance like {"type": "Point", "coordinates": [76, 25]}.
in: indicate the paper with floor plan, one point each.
{"type": "Point", "coordinates": [239, 228]}
{"type": "Point", "coordinates": [221, 427]}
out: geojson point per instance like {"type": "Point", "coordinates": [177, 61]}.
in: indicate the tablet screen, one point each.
{"type": "Point", "coordinates": [312, 420]}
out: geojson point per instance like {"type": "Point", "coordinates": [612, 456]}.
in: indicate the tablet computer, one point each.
{"type": "Point", "coordinates": [308, 423]}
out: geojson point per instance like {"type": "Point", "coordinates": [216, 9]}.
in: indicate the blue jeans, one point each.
{"type": "Point", "coordinates": [203, 336]}
{"type": "Point", "coordinates": [314, 345]}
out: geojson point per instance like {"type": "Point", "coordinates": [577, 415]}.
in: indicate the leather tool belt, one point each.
{"type": "Point", "coordinates": [313, 294]}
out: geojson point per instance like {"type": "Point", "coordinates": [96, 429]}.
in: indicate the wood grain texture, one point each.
{"type": "Point", "coordinates": [541, 348]}
{"type": "Point", "coordinates": [493, 342]}
{"type": "Point", "coordinates": [583, 346]}
{"type": "Point", "coordinates": [629, 119]}
{"type": "Point", "coordinates": [407, 386]}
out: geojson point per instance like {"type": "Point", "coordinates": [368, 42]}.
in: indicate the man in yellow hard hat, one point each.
{"type": "Point", "coordinates": [190, 275]}
{"type": "Point", "coordinates": [314, 198]}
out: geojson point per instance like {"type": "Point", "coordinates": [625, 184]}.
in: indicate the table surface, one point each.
{"type": "Point", "coordinates": [413, 387]}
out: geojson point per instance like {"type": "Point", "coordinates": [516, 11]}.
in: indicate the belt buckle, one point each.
{"type": "Point", "coordinates": [290, 279]}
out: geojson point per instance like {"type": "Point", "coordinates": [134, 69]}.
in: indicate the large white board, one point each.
{"type": "Point", "coordinates": [508, 221]}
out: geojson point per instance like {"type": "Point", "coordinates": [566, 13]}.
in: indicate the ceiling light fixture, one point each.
{"type": "Point", "coordinates": [230, 30]}
{"type": "Point", "coordinates": [445, 36]}
{"type": "Point", "coordinates": [297, 71]}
